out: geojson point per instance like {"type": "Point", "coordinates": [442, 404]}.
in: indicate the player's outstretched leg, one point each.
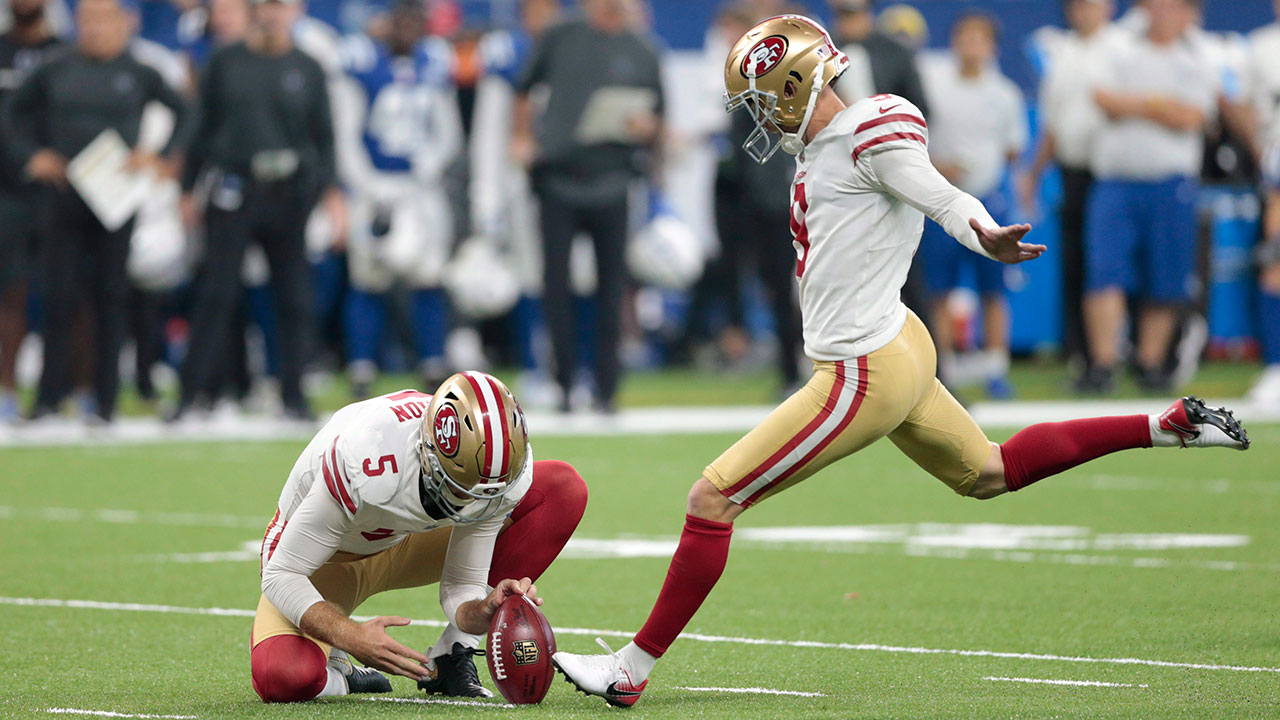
{"type": "Point", "coordinates": [1046, 449]}
{"type": "Point", "coordinates": [292, 668]}
{"type": "Point", "coordinates": [695, 568]}
{"type": "Point", "coordinates": [535, 534]}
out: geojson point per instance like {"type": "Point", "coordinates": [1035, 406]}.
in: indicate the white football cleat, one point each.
{"type": "Point", "coordinates": [1197, 425]}
{"type": "Point", "coordinates": [601, 675]}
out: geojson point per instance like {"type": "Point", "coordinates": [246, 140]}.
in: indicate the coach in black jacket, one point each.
{"type": "Point", "coordinates": [264, 146]}
{"type": "Point", "coordinates": [54, 114]}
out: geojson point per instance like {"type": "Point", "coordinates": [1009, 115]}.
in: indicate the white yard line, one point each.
{"type": "Point", "coordinates": [697, 637]}
{"type": "Point", "coordinates": [1048, 681]}
{"type": "Point", "coordinates": [751, 691]}
{"type": "Point", "coordinates": [134, 517]}
{"type": "Point", "coordinates": [639, 421]}
{"type": "Point", "coordinates": [108, 713]}
{"type": "Point", "coordinates": [442, 701]}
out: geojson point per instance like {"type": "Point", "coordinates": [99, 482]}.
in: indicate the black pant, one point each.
{"type": "Point", "coordinates": [758, 240]}
{"type": "Point", "coordinates": [1075, 191]}
{"type": "Point", "coordinates": [148, 337]}
{"type": "Point", "coordinates": [607, 225]}
{"type": "Point", "coordinates": [276, 219]}
{"type": "Point", "coordinates": [82, 261]}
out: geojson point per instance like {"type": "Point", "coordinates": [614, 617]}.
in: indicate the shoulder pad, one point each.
{"type": "Point", "coordinates": [357, 54]}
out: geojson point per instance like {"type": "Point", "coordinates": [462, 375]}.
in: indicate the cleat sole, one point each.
{"type": "Point", "coordinates": [1221, 418]}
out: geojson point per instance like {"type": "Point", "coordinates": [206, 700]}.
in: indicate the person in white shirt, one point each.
{"type": "Point", "coordinates": [1264, 87]}
{"type": "Point", "coordinates": [1140, 231]}
{"type": "Point", "coordinates": [862, 187]}
{"type": "Point", "coordinates": [403, 491]}
{"type": "Point", "coordinates": [977, 130]}
{"type": "Point", "coordinates": [1069, 122]}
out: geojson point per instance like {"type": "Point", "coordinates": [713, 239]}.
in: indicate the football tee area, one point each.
{"type": "Point", "coordinates": [1143, 585]}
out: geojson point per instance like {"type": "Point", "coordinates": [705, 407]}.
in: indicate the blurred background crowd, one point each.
{"type": "Point", "coordinates": [236, 202]}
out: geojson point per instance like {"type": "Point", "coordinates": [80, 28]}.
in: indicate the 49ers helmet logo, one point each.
{"type": "Point", "coordinates": [446, 431]}
{"type": "Point", "coordinates": [764, 56]}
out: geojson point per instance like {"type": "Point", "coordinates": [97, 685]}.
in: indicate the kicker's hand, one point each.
{"type": "Point", "coordinates": [372, 646]}
{"type": "Point", "coordinates": [507, 588]}
{"type": "Point", "coordinates": [474, 616]}
{"type": "Point", "coordinates": [1005, 243]}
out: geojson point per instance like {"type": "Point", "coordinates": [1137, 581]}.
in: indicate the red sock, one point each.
{"type": "Point", "coordinates": [288, 668]}
{"type": "Point", "coordinates": [541, 524]}
{"type": "Point", "coordinates": [1049, 448]}
{"type": "Point", "coordinates": [695, 568]}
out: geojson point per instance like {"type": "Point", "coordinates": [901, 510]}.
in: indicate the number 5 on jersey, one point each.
{"type": "Point", "coordinates": [382, 465]}
{"type": "Point", "coordinates": [799, 206]}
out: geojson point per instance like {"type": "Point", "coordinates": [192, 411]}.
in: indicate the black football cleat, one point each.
{"type": "Point", "coordinates": [367, 680]}
{"type": "Point", "coordinates": [1198, 425]}
{"type": "Point", "coordinates": [456, 675]}
{"type": "Point", "coordinates": [359, 679]}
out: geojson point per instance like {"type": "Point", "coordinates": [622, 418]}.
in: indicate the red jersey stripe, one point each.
{"type": "Point", "coordinates": [487, 471]}
{"type": "Point", "coordinates": [859, 395]}
{"type": "Point", "coordinates": [334, 481]}
{"type": "Point", "coordinates": [884, 139]}
{"type": "Point", "coordinates": [272, 550]}
{"type": "Point", "coordinates": [827, 408]}
{"type": "Point", "coordinates": [896, 117]}
{"type": "Point", "coordinates": [274, 519]}
{"type": "Point", "coordinates": [340, 479]}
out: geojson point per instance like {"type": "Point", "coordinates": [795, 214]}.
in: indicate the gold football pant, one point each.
{"type": "Point", "coordinates": [846, 406]}
{"type": "Point", "coordinates": [348, 580]}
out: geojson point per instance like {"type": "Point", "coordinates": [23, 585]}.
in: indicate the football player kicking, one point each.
{"type": "Point", "coordinates": [402, 491]}
{"type": "Point", "coordinates": [863, 184]}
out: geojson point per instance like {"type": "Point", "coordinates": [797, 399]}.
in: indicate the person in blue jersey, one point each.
{"type": "Point", "coordinates": [397, 133]}
{"type": "Point", "coordinates": [502, 205]}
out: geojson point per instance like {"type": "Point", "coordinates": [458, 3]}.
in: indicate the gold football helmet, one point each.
{"type": "Point", "coordinates": [475, 442]}
{"type": "Point", "coordinates": [777, 70]}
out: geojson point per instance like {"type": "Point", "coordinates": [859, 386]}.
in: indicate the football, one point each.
{"type": "Point", "coordinates": [520, 647]}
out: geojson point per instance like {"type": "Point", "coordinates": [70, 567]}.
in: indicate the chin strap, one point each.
{"type": "Point", "coordinates": [793, 143]}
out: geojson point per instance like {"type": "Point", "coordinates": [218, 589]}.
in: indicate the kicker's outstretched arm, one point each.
{"type": "Point", "coordinates": [907, 174]}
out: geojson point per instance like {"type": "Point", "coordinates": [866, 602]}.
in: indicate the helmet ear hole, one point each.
{"type": "Point", "coordinates": [789, 90]}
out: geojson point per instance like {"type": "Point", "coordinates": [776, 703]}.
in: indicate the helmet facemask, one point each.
{"type": "Point", "coordinates": [763, 105]}
{"type": "Point", "coordinates": [462, 505]}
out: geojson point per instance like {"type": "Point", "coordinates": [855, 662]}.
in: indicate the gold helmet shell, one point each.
{"type": "Point", "coordinates": [776, 71]}
{"type": "Point", "coordinates": [475, 443]}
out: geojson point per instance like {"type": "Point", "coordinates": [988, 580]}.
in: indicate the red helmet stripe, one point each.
{"type": "Point", "coordinates": [487, 470]}
{"type": "Point", "coordinates": [502, 425]}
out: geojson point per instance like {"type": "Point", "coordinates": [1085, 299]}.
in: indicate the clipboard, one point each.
{"type": "Point", "coordinates": [604, 119]}
{"type": "Point", "coordinates": [99, 173]}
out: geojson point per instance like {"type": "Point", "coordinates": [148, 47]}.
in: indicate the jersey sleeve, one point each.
{"type": "Point", "coordinates": [465, 576]}
{"type": "Point", "coordinates": [906, 173]}
{"type": "Point", "coordinates": [894, 122]}
{"type": "Point", "coordinates": [341, 462]}
{"type": "Point", "coordinates": [310, 537]}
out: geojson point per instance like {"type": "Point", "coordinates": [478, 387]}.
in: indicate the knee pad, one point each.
{"type": "Point", "coordinates": [288, 668]}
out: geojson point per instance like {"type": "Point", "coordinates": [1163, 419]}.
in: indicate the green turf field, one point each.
{"type": "Point", "coordinates": [1080, 566]}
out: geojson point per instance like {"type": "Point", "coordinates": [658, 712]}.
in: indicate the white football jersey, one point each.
{"type": "Point", "coordinates": [862, 188]}
{"type": "Point", "coordinates": [1263, 81]}
{"type": "Point", "coordinates": [367, 459]}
